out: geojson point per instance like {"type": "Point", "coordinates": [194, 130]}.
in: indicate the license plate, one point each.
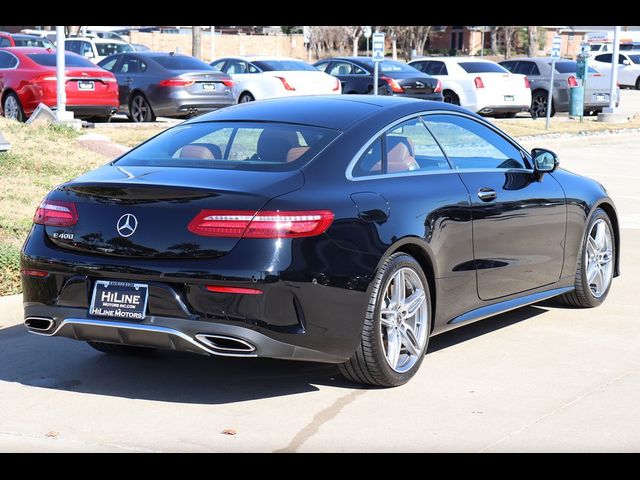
{"type": "Point", "coordinates": [86, 85]}
{"type": "Point", "coordinates": [119, 299]}
{"type": "Point", "coordinates": [208, 87]}
{"type": "Point", "coordinates": [600, 96]}
{"type": "Point", "coordinates": [508, 98]}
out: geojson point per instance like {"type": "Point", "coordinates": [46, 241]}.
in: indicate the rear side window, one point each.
{"type": "Point", "coordinates": [7, 60]}
{"type": "Point", "coordinates": [260, 147]}
{"type": "Point", "coordinates": [70, 60]}
{"type": "Point", "coordinates": [181, 62]}
{"type": "Point", "coordinates": [527, 68]}
{"type": "Point", "coordinates": [570, 67]}
{"type": "Point", "coordinates": [470, 145]}
{"type": "Point", "coordinates": [606, 58]}
{"type": "Point", "coordinates": [33, 42]}
{"type": "Point", "coordinates": [131, 64]}
{"type": "Point", "coordinates": [5, 42]}
{"type": "Point", "coordinates": [482, 67]}
{"type": "Point", "coordinates": [435, 68]}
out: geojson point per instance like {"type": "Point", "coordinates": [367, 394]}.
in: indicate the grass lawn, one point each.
{"type": "Point", "coordinates": [40, 158]}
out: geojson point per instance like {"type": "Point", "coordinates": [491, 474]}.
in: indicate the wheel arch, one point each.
{"type": "Point", "coordinates": [607, 206]}
{"type": "Point", "coordinates": [6, 92]}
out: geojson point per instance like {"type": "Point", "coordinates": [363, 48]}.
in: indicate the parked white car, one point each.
{"type": "Point", "coordinates": [479, 85]}
{"type": "Point", "coordinates": [257, 77]}
{"type": "Point", "coordinates": [96, 49]}
{"type": "Point", "coordinates": [628, 67]}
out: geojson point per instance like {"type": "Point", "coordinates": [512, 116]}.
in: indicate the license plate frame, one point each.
{"type": "Point", "coordinates": [208, 87]}
{"type": "Point", "coordinates": [119, 299]}
{"type": "Point", "coordinates": [86, 85]}
{"type": "Point", "coordinates": [509, 98]}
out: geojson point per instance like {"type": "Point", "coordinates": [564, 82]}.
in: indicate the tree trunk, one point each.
{"type": "Point", "coordinates": [355, 45]}
{"type": "Point", "coordinates": [494, 41]}
{"type": "Point", "coordinates": [508, 40]}
{"type": "Point", "coordinates": [534, 46]}
{"type": "Point", "coordinates": [196, 42]}
{"type": "Point", "coordinates": [394, 48]}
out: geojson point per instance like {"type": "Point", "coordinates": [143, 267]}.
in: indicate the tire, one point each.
{"type": "Point", "coordinates": [140, 109]}
{"type": "Point", "coordinates": [450, 97]}
{"type": "Point", "coordinates": [538, 107]}
{"type": "Point", "coordinates": [116, 349]}
{"type": "Point", "coordinates": [638, 83]}
{"type": "Point", "coordinates": [369, 364]}
{"type": "Point", "coordinates": [11, 107]}
{"type": "Point", "coordinates": [246, 97]}
{"type": "Point", "coordinates": [584, 296]}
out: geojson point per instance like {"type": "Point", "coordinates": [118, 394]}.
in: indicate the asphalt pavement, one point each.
{"type": "Point", "coordinates": [541, 378]}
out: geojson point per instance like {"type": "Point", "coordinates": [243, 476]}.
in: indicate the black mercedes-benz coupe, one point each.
{"type": "Point", "coordinates": [344, 229]}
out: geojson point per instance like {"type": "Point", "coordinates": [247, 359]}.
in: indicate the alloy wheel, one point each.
{"type": "Point", "coordinates": [139, 109]}
{"type": "Point", "coordinates": [539, 106]}
{"type": "Point", "coordinates": [404, 320]}
{"type": "Point", "coordinates": [599, 270]}
{"type": "Point", "coordinates": [11, 108]}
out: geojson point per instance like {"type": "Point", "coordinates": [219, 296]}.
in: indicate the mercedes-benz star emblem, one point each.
{"type": "Point", "coordinates": [127, 225]}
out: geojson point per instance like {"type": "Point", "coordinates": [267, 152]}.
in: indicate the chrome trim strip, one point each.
{"type": "Point", "coordinates": [141, 327]}
{"type": "Point", "coordinates": [502, 307]}
{"type": "Point", "coordinates": [204, 338]}
{"type": "Point", "coordinates": [359, 153]}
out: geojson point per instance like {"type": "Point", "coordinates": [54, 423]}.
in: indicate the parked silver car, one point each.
{"type": "Point", "coordinates": [538, 71]}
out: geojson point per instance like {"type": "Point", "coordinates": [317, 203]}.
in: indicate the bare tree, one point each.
{"type": "Point", "coordinates": [494, 40]}
{"type": "Point", "coordinates": [533, 43]}
{"type": "Point", "coordinates": [196, 42]}
{"type": "Point", "coordinates": [355, 32]}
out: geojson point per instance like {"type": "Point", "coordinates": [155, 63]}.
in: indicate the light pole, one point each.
{"type": "Point", "coordinates": [614, 72]}
{"type": "Point", "coordinates": [61, 81]}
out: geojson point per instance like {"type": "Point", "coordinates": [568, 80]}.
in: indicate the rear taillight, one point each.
{"type": "Point", "coordinates": [478, 82]}
{"type": "Point", "coordinates": [109, 79]}
{"type": "Point", "coordinates": [248, 224]}
{"type": "Point", "coordinates": [572, 81]}
{"type": "Point", "coordinates": [285, 84]}
{"type": "Point", "coordinates": [55, 213]}
{"type": "Point", "coordinates": [240, 290]}
{"type": "Point", "coordinates": [527, 83]}
{"type": "Point", "coordinates": [228, 83]}
{"type": "Point", "coordinates": [336, 87]}
{"type": "Point", "coordinates": [34, 273]}
{"type": "Point", "coordinates": [438, 88]}
{"type": "Point", "coordinates": [176, 82]}
{"type": "Point", "coordinates": [392, 82]}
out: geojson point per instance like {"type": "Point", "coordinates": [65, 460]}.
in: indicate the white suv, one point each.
{"type": "Point", "coordinates": [479, 85]}
{"type": "Point", "coordinates": [628, 67]}
{"type": "Point", "coordinates": [96, 49]}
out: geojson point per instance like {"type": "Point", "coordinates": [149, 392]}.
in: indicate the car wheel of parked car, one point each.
{"type": "Point", "coordinates": [396, 327]}
{"type": "Point", "coordinates": [246, 97]}
{"type": "Point", "coordinates": [596, 263]}
{"type": "Point", "coordinates": [140, 109]}
{"type": "Point", "coordinates": [539, 104]}
{"type": "Point", "coordinates": [451, 97]}
{"type": "Point", "coordinates": [115, 349]}
{"type": "Point", "coordinates": [638, 83]}
{"type": "Point", "coordinates": [12, 108]}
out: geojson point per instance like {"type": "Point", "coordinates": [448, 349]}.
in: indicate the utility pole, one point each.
{"type": "Point", "coordinates": [614, 72]}
{"type": "Point", "coordinates": [61, 80]}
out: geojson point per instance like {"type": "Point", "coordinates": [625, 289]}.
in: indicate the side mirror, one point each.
{"type": "Point", "coordinates": [544, 161]}
{"type": "Point", "coordinates": [88, 54]}
{"type": "Point", "coordinates": [626, 62]}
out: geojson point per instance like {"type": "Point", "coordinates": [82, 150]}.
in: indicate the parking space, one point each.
{"type": "Point", "coordinates": [537, 379]}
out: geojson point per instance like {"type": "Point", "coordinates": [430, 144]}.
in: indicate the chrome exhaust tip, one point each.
{"type": "Point", "coordinates": [39, 324]}
{"type": "Point", "coordinates": [225, 345]}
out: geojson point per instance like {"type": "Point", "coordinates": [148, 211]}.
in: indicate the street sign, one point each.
{"type": "Point", "coordinates": [378, 47]}
{"type": "Point", "coordinates": [367, 31]}
{"type": "Point", "coordinates": [585, 49]}
{"type": "Point", "coordinates": [555, 46]}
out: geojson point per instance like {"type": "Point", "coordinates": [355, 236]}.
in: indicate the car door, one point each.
{"type": "Point", "coordinates": [239, 71]}
{"type": "Point", "coordinates": [352, 78]}
{"type": "Point", "coordinates": [129, 72]}
{"type": "Point", "coordinates": [627, 70]}
{"type": "Point", "coordinates": [519, 219]}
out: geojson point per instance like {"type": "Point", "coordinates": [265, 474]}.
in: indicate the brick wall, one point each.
{"type": "Point", "coordinates": [225, 45]}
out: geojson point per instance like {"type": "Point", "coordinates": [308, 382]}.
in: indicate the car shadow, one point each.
{"type": "Point", "coordinates": [64, 364]}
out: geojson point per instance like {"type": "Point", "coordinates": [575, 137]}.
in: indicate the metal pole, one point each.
{"type": "Point", "coordinates": [367, 46]}
{"type": "Point", "coordinates": [550, 96]}
{"type": "Point", "coordinates": [375, 78]}
{"type": "Point", "coordinates": [614, 70]}
{"type": "Point", "coordinates": [61, 80]}
{"type": "Point", "coordinates": [213, 43]}
{"type": "Point", "coordinates": [482, 42]}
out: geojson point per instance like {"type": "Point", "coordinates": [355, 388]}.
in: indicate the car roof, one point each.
{"type": "Point", "coordinates": [329, 111]}
{"type": "Point", "coordinates": [97, 40]}
{"type": "Point", "coordinates": [28, 50]}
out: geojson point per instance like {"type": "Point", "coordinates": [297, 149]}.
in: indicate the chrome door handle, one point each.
{"type": "Point", "coordinates": [487, 194]}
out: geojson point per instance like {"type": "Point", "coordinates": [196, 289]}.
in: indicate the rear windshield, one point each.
{"type": "Point", "coordinates": [70, 60]}
{"type": "Point", "coordinates": [260, 147]}
{"type": "Point", "coordinates": [570, 67]}
{"type": "Point", "coordinates": [24, 41]}
{"type": "Point", "coordinates": [283, 66]}
{"type": "Point", "coordinates": [106, 49]}
{"type": "Point", "coordinates": [390, 66]}
{"type": "Point", "coordinates": [181, 62]}
{"type": "Point", "coordinates": [482, 67]}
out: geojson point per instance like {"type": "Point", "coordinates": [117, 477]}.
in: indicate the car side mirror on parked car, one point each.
{"type": "Point", "coordinates": [626, 62]}
{"type": "Point", "coordinates": [544, 161]}
{"type": "Point", "coordinates": [88, 54]}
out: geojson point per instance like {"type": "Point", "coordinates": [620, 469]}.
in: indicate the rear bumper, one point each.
{"type": "Point", "coordinates": [92, 110]}
{"type": "Point", "coordinates": [498, 109]}
{"type": "Point", "coordinates": [437, 97]}
{"type": "Point", "coordinates": [180, 102]}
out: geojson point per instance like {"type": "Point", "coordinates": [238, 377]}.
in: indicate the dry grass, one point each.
{"type": "Point", "coordinates": [130, 137]}
{"type": "Point", "coordinates": [520, 127]}
{"type": "Point", "coordinates": [40, 158]}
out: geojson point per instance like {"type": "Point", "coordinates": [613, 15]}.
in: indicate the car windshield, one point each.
{"type": "Point", "coordinates": [260, 147]}
{"type": "Point", "coordinates": [32, 42]}
{"type": "Point", "coordinates": [284, 66]}
{"type": "Point", "coordinates": [482, 67]}
{"type": "Point", "coordinates": [181, 62]}
{"type": "Point", "coordinates": [106, 49]}
{"type": "Point", "coordinates": [635, 58]}
{"type": "Point", "coordinates": [570, 67]}
{"type": "Point", "coordinates": [70, 60]}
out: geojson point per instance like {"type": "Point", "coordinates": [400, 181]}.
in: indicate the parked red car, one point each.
{"type": "Point", "coordinates": [23, 40]}
{"type": "Point", "coordinates": [28, 78]}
